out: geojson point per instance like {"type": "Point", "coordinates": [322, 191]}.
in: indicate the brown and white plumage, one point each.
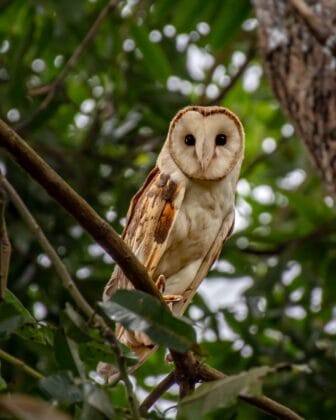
{"type": "Point", "coordinates": [180, 218]}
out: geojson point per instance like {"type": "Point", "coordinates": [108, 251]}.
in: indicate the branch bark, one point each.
{"type": "Point", "coordinates": [97, 227]}
{"type": "Point", "coordinates": [5, 245]}
{"type": "Point", "coordinates": [188, 372]}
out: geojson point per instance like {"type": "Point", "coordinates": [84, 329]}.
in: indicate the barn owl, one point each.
{"type": "Point", "coordinates": [180, 218]}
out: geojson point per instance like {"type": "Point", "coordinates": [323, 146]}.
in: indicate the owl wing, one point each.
{"type": "Point", "coordinates": [150, 218]}
{"type": "Point", "coordinates": [214, 251]}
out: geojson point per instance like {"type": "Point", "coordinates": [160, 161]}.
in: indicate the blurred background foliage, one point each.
{"type": "Point", "coordinates": [270, 297]}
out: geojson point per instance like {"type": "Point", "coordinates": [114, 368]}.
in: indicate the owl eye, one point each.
{"type": "Point", "coordinates": [189, 140]}
{"type": "Point", "coordinates": [221, 139]}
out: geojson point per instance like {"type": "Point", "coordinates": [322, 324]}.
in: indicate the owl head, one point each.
{"type": "Point", "coordinates": [206, 143]}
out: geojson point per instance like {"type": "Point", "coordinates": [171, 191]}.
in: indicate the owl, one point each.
{"type": "Point", "coordinates": [180, 218]}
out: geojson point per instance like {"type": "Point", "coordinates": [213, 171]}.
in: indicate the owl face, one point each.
{"type": "Point", "coordinates": [206, 142]}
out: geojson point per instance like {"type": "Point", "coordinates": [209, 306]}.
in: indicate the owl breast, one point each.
{"type": "Point", "coordinates": [197, 225]}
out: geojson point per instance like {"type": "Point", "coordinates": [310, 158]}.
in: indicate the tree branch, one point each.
{"type": "Point", "coordinates": [322, 31]}
{"type": "Point", "coordinates": [114, 245]}
{"type": "Point", "coordinates": [97, 227]}
{"type": "Point", "coordinates": [20, 364]}
{"type": "Point", "coordinates": [5, 246]}
{"type": "Point", "coordinates": [160, 389]}
{"type": "Point", "coordinates": [234, 79]}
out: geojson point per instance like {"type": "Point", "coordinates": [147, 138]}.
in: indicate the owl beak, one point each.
{"type": "Point", "coordinates": [204, 154]}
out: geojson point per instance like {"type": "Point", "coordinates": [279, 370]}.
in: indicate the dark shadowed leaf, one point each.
{"type": "Point", "coordinates": [61, 388]}
{"type": "Point", "coordinates": [13, 300]}
{"type": "Point", "coordinates": [139, 311]}
{"type": "Point", "coordinates": [221, 393]}
{"type": "Point", "coordinates": [10, 320]}
{"type": "Point", "coordinates": [98, 399]}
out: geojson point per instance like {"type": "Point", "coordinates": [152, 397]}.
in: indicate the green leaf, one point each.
{"type": "Point", "coordinates": [3, 384]}
{"type": "Point", "coordinates": [222, 393]}
{"type": "Point", "coordinates": [63, 354]}
{"type": "Point", "coordinates": [74, 325]}
{"type": "Point", "coordinates": [98, 398]}
{"type": "Point", "coordinates": [228, 21]}
{"type": "Point", "coordinates": [61, 388]}
{"type": "Point", "coordinates": [14, 301]}
{"type": "Point", "coordinates": [154, 58]}
{"type": "Point", "coordinates": [10, 320]}
{"type": "Point", "coordinates": [138, 311]}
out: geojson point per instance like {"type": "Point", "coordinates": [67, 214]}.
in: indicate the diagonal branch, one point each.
{"type": "Point", "coordinates": [116, 247]}
{"type": "Point", "coordinates": [234, 79]}
{"type": "Point", "coordinates": [20, 364]}
{"type": "Point", "coordinates": [5, 246]}
{"type": "Point", "coordinates": [160, 389]}
{"type": "Point", "coordinates": [97, 227]}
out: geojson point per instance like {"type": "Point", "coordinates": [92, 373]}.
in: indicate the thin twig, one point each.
{"type": "Point", "coordinates": [321, 29]}
{"type": "Point", "coordinates": [234, 79]}
{"type": "Point", "coordinates": [21, 364]}
{"type": "Point", "coordinates": [51, 89]}
{"type": "Point", "coordinates": [70, 285]}
{"type": "Point", "coordinates": [160, 389]}
{"type": "Point", "coordinates": [108, 239]}
{"type": "Point", "coordinates": [5, 246]}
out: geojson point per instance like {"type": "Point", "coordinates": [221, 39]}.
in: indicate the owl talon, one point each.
{"type": "Point", "coordinates": [161, 283]}
{"type": "Point", "coordinates": [172, 298]}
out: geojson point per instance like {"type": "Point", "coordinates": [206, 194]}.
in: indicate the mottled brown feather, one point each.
{"type": "Point", "coordinates": [149, 220]}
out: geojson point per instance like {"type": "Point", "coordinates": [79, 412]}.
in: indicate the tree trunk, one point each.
{"type": "Point", "coordinates": [298, 46]}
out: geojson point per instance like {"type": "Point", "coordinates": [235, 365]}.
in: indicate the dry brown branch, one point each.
{"type": "Point", "coordinates": [160, 389]}
{"type": "Point", "coordinates": [188, 368]}
{"type": "Point", "coordinates": [5, 246]}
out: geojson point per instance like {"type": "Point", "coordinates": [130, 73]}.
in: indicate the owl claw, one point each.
{"type": "Point", "coordinates": [161, 283]}
{"type": "Point", "coordinates": [172, 298]}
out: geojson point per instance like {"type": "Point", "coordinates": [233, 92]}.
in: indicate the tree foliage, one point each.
{"type": "Point", "coordinates": [99, 120]}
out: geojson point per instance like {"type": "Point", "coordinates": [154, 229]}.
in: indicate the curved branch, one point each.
{"type": "Point", "coordinates": [20, 364]}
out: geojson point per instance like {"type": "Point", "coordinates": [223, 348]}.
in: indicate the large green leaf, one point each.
{"type": "Point", "coordinates": [138, 311]}
{"type": "Point", "coordinates": [222, 393]}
